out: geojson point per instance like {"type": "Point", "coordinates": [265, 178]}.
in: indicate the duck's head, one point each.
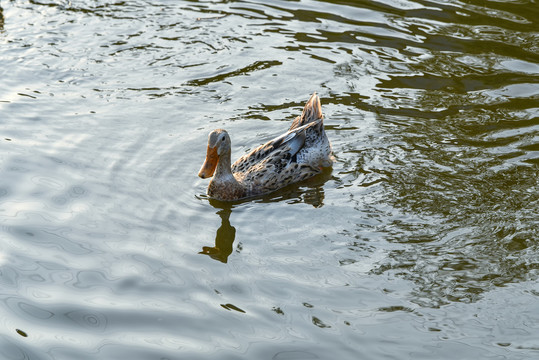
{"type": "Point", "coordinates": [218, 145]}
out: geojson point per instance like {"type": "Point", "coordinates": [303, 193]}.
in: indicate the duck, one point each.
{"type": "Point", "coordinates": [300, 153]}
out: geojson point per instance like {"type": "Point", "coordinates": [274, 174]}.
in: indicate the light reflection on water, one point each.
{"type": "Point", "coordinates": [420, 243]}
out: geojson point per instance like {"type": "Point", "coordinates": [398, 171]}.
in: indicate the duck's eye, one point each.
{"type": "Point", "coordinates": [222, 138]}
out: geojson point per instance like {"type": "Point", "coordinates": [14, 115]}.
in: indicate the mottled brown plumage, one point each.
{"type": "Point", "coordinates": [298, 154]}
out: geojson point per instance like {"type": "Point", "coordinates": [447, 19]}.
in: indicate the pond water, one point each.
{"type": "Point", "coordinates": [420, 243]}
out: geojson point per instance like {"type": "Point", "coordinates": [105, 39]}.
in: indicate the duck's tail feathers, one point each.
{"type": "Point", "coordinates": [311, 112]}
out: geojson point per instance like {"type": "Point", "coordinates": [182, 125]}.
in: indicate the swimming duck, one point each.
{"type": "Point", "coordinates": [296, 155]}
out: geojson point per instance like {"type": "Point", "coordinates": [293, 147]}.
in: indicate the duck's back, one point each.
{"type": "Point", "coordinates": [292, 157]}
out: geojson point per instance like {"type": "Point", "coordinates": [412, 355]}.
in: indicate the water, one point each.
{"type": "Point", "coordinates": [421, 243]}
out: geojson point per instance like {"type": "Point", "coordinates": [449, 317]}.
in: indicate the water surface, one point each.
{"type": "Point", "coordinates": [420, 243]}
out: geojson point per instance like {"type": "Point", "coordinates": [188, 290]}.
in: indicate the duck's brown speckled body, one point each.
{"type": "Point", "coordinates": [298, 154]}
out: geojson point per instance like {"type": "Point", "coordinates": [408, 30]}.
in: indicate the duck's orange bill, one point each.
{"type": "Point", "coordinates": [208, 168]}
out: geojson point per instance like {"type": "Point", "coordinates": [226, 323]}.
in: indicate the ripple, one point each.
{"type": "Point", "coordinates": [294, 355]}
{"type": "Point", "coordinates": [93, 321]}
{"type": "Point", "coordinates": [35, 311]}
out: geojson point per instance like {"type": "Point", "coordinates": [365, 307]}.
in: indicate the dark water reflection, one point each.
{"type": "Point", "coordinates": [420, 243]}
{"type": "Point", "coordinates": [225, 235]}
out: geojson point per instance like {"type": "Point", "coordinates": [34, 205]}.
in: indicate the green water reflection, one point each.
{"type": "Point", "coordinates": [466, 175]}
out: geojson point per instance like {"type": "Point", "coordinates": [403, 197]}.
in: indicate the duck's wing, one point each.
{"type": "Point", "coordinates": [282, 148]}
{"type": "Point", "coordinates": [311, 112]}
{"type": "Point", "coordinates": [281, 166]}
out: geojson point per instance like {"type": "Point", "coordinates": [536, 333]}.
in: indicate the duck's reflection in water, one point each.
{"type": "Point", "coordinates": [224, 238]}
{"type": "Point", "coordinates": [310, 191]}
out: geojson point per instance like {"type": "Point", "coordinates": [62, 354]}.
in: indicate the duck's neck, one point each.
{"type": "Point", "coordinates": [224, 171]}
{"type": "Point", "coordinates": [224, 185]}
